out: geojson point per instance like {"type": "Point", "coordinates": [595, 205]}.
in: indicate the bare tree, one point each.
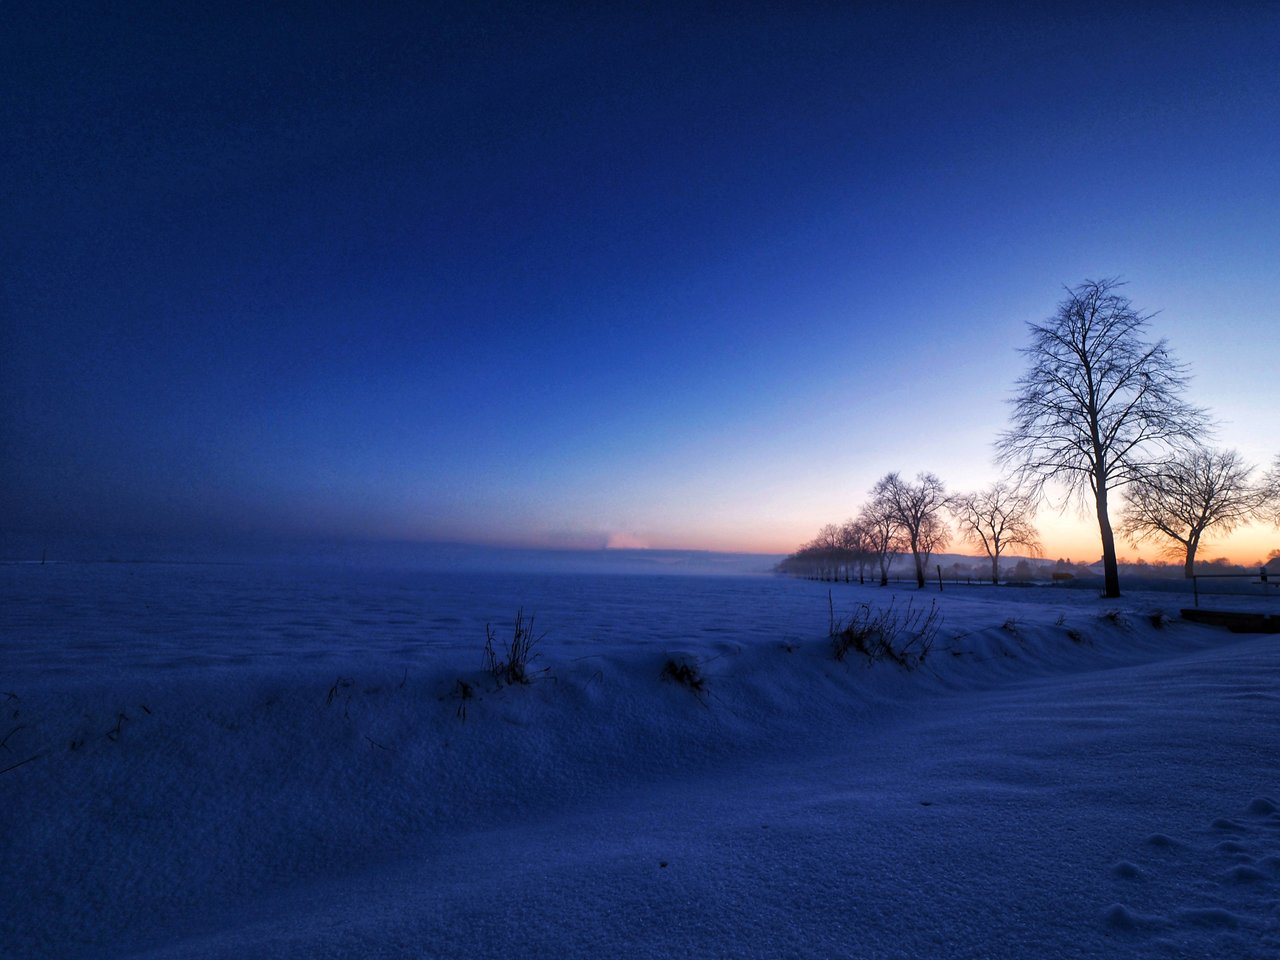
{"type": "Point", "coordinates": [803, 563]}
{"type": "Point", "coordinates": [1199, 490]}
{"type": "Point", "coordinates": [837, 550]}
{"type": "Point", "coordinates": [996, 518]}
{"type": "Point", "coordinates": [858, 543]}
{"type": "Point", "coordinates": [1269, 494]}
{"type": "Point", "coordinates": [816, 559]}
{"type": "Point", "coordinates": [829, 544]}
{"type": "Point", "coordinates": [1099, 407]}
{"type": "Point", "coordinates": [882, 537]}
{"type": "Point", "coordinates": [934, 535]}
{"type": "Point", "coordinates": [915, 509]}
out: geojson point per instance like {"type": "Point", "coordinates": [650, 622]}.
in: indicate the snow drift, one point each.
{"type": "Point", "coordinates": [255, 761]}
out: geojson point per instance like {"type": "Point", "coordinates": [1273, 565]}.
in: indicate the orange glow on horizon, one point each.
{"type": "Point", "coordinates": [1065, 537]}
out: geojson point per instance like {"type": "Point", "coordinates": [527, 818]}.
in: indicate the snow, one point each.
{"type": "Point", "coordinates": [276, 760]}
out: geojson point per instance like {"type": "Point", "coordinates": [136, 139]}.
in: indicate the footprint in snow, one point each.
{"type": "Point", "coordinates": [1124, 870]}
{"type": "Point", "coordinates": [1204, 894]}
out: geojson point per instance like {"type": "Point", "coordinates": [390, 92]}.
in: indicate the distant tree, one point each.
{"type": "Point", "coordinates": [996, 518]}
{"type": "Point", "coordinates": [934, 535]}
{"type": "Point", "coordinates": [858, 543]}
{"type": "Point", "coordinates": [1099, 407]}
{"type": "Point", "coordinates": [811, 561]}
{"type": "Point", "coordinates": [1199, 490]}
{"type": "Point", "coordinates": [833, 554]}
{"type": "Point", "coordinates": [1023, 572]}
{"type": "Point", "coordinates": [914, 509]}
{"type": "Point", "coordinates": [829, 544]}
{"type": "Point", "coordinates": [1269, 494]}
{"type": "Point", "coordinates": [799, 564]}
{"type": "Point", "coordinates": [882, 537]}
{"type": "Point", "coordinates": [822, 558]}
{"type": "Point", "coordinates": [1223, 565]}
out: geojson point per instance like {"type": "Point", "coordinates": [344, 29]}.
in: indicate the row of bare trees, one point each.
{"type": "Point", "coordinates": [1200, 490]}
{"type": "Point", "coordinates": [905, 516]}
{"type": "Point", "coordinates": [1099, 412]}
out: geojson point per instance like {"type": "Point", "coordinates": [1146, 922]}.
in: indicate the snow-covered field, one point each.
{"type": "Point", "coordinates": [277, 761]}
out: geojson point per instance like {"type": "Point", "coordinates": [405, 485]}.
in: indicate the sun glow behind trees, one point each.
{"type": "Point", "coordinates": [1100, 419]}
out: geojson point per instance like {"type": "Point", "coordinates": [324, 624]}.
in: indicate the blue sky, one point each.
{"type": "Point", "coordinates": [575, 277]}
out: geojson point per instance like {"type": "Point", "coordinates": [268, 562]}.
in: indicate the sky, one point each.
{"type": "Point", "coordinates": [590, 275]}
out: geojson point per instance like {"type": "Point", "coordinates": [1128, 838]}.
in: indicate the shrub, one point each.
{"type": "Point", "coordinates": [904, 636]}
{"type": "Point", "coordinates": [686, 673]}
{"type": "Point", "coordinates": [859, 633]}
{"type": "Point", "coordinates": [517, 656]}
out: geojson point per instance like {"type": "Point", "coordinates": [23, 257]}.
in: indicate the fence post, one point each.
{"type": "Point", "coordinates": [939, 578]}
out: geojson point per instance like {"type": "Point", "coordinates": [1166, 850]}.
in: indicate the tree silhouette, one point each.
{"type": "Point", "coordinates": [882, 537]}
{"type": "Point", "coordinates": [1099, 407]}
{"type": "Point", "coordinates": [914, 509]}
{"type": "Point", "coordinates": [1200, 490]}
{"type": "Point", "coordinates": [859, 545]}
{"type": "Point", "coordinates": [1269, 493]}
{"type": "Point", "coordinates": [994, 519]}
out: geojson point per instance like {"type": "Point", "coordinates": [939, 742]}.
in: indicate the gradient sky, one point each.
{"type": "Point", "coordinates": [575, 276]}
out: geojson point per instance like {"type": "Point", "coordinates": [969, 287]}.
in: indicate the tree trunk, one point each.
{"type": "Point", "coordinates": [1110, 568]}
{"type": "Point", "coordinates": [995, 569]}
{"type": "Point", "coordinates": [1188, 569]}
{"type": "Point", "coordinates": [919, 569]}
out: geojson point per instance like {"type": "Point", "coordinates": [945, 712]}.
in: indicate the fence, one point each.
{"type": "Point", "coordinates": [1259, 577]}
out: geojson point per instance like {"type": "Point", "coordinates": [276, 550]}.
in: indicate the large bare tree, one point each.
{"type": "Point", "coordinates": [1099, 407]}
{"type": "Point", "coordinates": [915, 510]}
{"type": "Point", "coordinates": [997, 518]}
{"type": "Point", "coordinates": [1199, 490]}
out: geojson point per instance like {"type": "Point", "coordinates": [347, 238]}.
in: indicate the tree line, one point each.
{"type": "Point", "coordinates": [1101, 413]}
{"type": "Point", "coordinates": [905, 517]}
